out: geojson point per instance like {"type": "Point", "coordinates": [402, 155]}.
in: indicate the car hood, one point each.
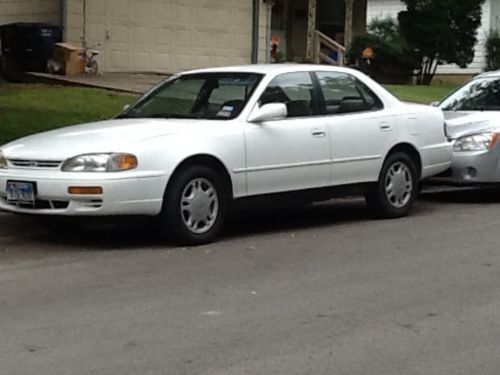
{"type": "Point", "coordinates": [459, 124]}
{"type": "Point", "coordinates": [97, 137]}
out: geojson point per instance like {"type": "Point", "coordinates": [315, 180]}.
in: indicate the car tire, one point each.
{"type": "Point", "coordinates": [194, 206]}
{"type": "Point", "coordinates": [397, 188]}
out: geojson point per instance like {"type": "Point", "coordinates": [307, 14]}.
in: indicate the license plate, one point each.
{"type": "Point", "coordinates": [21, 192]}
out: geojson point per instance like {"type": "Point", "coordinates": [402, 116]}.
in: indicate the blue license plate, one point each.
{"type": "Point", "coordinates": [21, 192]}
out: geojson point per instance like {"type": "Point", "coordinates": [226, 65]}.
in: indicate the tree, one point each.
{"type": "Point", "coordinates": [440, 31]}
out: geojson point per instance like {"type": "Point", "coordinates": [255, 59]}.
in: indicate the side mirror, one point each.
{"type": "Point", "coordinates": [269, 112]}
{"type": "Point", "coordinates": [125, 107]}
{"type": "Point", "coordinates": [435, 104]}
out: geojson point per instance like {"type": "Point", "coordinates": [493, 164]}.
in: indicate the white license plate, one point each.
{"type": "Point", "coordinates": [21, 192]}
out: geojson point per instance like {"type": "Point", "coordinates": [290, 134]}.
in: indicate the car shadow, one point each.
{"type": "Point", "coordinates": [142, 233]}
{"type": "Point", "coordinates": [259, 220]}
{"type": "Point", "coordinates": [464, 195]}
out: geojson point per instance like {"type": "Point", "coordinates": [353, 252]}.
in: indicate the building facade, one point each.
{"type": "Point", "coordinates": [30, 11]}
{"type": "Point", "coordinates": [175, 35]}
{"type": "Point", "coordinates": [155, 35]}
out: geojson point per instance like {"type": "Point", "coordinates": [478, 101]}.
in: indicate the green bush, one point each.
{"type": "Point", "coordinates": [393, 62]}
{"type": "Point", "coordinates": [493, 51]}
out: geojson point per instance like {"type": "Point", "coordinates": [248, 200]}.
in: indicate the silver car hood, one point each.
{"type": "Point", "coordinates": [459, 124]}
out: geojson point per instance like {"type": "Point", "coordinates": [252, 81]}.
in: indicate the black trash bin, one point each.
{"type": "Point", "coordinates": [26, 47]}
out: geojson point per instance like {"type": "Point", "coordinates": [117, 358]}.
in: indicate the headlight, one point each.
{"type": "Point", "coordinates": [3, 162]}
{"type": "Point", "coordinates": [100, 163]}
{"type": "Point", "coordinates": [477, 142]}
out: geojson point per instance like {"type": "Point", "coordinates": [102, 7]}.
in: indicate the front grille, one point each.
{"type": "Point", "coordinates": [46, 164]}
{"type": "Point", "coordinates": [94, 203]}
{"type": "Point", "coordinates": [40, 204]}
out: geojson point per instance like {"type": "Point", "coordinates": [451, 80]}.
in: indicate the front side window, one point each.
{"type": "Point", "coordinates": [209, 96]}
{"type": "Point", "coordinates": [478, 95]}
{"type": "Point", "coordinates": [296, 90]}
{"type": "Point", "coordinates": [343, 94]}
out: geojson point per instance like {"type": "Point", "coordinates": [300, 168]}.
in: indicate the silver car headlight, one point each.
{"type": "Point", "coordinates": [3, 161]}
{"type": "Point", "coordinates": [100, 163]}
{"type": "Point", "coordinates": [476, 142]}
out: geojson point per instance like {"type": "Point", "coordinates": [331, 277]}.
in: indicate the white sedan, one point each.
{"type": "Point", "coordinates": [204, 139]}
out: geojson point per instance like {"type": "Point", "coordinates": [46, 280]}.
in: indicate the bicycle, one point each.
{"type": "Point", "coordinates": [91, 64]}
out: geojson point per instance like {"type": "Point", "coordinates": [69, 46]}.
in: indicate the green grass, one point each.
{"type": "Point", "coordinates": [28, 109]}
{"type": "Point", "coordinates": [421, 94]}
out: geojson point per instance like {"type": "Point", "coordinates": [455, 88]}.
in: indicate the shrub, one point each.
{"type": "Point", "coordinates": [493, 51]}
{"type": "Point", "coordinates": [393, 62]}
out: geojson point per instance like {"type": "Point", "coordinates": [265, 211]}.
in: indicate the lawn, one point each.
{"type": "Point", "coordinates": [421, 94]}
{"type": "Point", "coordinates": [27, 109]}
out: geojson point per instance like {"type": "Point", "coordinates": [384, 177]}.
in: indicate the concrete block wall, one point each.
{"type": "Point", "coordinates": [47, 11]}
{"type": "Point", "coordinates": [167, 36]}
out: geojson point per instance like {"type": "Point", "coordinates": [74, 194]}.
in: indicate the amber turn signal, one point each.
{"type": "Point", "coordinates": [126, 162]}
{"type": "Point", "coordinates": [85, 190]}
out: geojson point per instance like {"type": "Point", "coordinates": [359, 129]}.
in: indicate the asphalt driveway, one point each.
{"type": "Point", "coordinates": [315, 290]}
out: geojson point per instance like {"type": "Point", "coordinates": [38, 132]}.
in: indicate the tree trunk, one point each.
{"type": "Point", "coordinates": [311, 31]}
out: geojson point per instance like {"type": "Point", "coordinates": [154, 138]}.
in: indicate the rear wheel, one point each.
{"type": "Point", "coordinates": [396, 189]}
{"type": "Point", "coordinates": [194, 206]}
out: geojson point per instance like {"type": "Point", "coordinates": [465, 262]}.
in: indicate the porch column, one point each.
{"type": "Point", "coordinates": [360, 11]}
{"type": "Point", "coordinates": [349, 22]}
{"type": "Point", "coordinates": [311, 31]}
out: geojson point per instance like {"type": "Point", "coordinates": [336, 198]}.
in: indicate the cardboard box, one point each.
{"type": "Point", "coordinates": [70, 57]}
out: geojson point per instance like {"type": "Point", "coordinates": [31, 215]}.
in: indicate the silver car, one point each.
{"type": "Point", "coordinates": [473, 124]}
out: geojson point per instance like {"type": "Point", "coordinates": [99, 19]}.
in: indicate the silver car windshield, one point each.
{"type": "Point", "coordinates": [208, 96]}
{"type": "Point", "coordinates": [482, 94]}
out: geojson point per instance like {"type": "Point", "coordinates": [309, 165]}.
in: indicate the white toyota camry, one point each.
{"type": "Point", "coordinates": [201, 140]}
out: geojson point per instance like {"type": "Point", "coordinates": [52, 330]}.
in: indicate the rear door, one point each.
{"type": "Point", "coordinates": [360, 130]}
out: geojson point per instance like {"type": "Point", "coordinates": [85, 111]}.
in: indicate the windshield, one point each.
{"type": "Point", "coordinates": [208, 96]}
{"type": "Point", "coordinates": [478, 95]}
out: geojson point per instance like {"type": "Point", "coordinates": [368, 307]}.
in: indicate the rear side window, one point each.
{"type": "Point", "coordinates": [296, 90]}
{"type": "Point", "coordinates": [344, 93]}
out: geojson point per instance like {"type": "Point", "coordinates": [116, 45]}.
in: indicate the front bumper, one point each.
{"type": "Point", "coordinates": [128, 193]}
{"type": "Point", "coordinates": [473, 168]}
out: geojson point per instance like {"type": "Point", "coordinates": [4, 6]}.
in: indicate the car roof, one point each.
{"type": "Point", "coordinates": [495, 74]}
{"type": "Point", "coordinates": [273, 69]}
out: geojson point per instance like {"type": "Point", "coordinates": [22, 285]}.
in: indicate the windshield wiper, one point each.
{"type": "Point", "coordinates": [168, 116]}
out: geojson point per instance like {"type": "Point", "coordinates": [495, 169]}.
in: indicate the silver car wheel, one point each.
{"type": "Point", "coordinates": [199, 205]}
{"type": "Point", "coordinates": [399, 185]}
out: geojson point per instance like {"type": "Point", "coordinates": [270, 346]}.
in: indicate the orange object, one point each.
{"type": "Point", "coordinates": [276, 39]}
{"type": "Point", "coordinates": [126, 162]}
{"type": "Point", "coordinates": [85, 190]}
{"type": "Point", "coordinates": [368, 53]}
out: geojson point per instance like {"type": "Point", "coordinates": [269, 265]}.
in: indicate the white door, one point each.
{"type": "Point", "coordinates": [290, 154]}
{"type": "Point", "coordinates": [361, 132]}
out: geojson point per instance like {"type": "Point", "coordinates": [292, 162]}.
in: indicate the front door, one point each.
{"type": "Point", "coordinates": [290, 154]}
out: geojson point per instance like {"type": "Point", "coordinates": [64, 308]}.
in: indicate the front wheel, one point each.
{"type": "Point", "coordinates": [194, 207]}
{"type": "Point", "coordinates": [396, 189]}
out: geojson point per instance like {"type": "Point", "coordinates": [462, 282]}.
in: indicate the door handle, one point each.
{"type": "Point", "coordinates": [318, 133]}
{"type": "Point", "coordinates": [385, 127]}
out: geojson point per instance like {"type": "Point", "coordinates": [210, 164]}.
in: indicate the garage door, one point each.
{"type": "Point", "coordinates": [169, 35]}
